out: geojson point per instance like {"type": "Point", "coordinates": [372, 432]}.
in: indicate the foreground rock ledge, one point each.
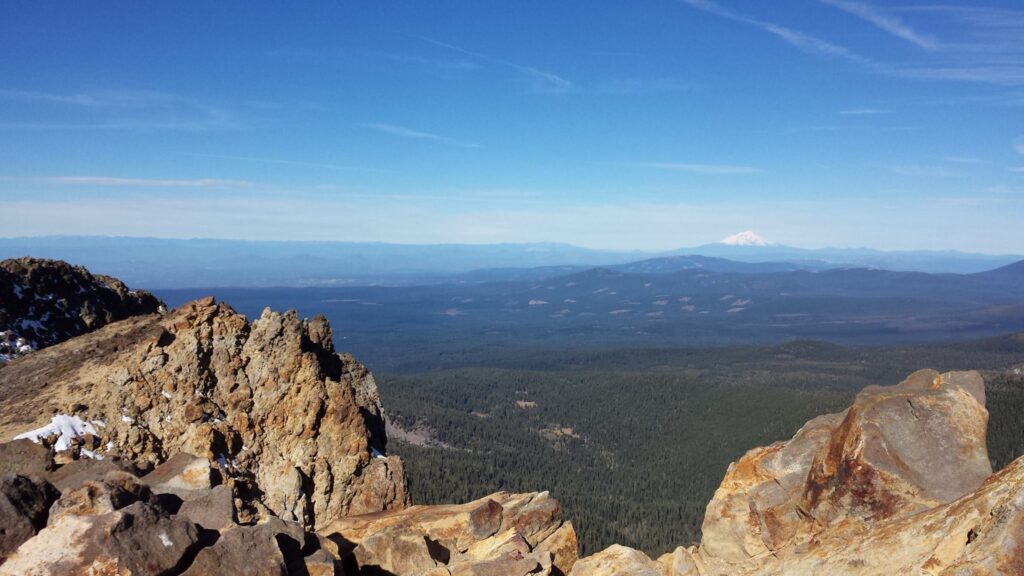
{"type": "Point", "coordinates": [295, 428]}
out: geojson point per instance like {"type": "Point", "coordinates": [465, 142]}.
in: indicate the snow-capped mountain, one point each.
{"type": "Point", "coordinates": [745, 238]}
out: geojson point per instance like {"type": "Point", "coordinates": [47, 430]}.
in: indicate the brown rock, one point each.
{"type": "Point", "coordinates": [24, 457]}
{"type": "Point", "coordinates": [181, 474]}
{"type": "Point", "coordinates": [283, 417]}
{"type": "Point", "coordinates": [563, 547]}
{"type": "Point", "coordinates": [136, 540]}
{"type": "Point", "coordinates": [897, 451]}
{"type": "Point", "coordinates": [266, 549]}
{"type": "Point", "coordinates": [213, 509]}
{"type": "Point", "coordinates": [616, 561]}
{"type": "Point", "coordinates": [115, 491]}
{"type": "Point", "coordinates": [500, 534]}
{"type": "Point", "coordinates": [24, 505]}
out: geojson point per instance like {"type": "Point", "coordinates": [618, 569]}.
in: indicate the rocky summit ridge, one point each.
{"type": "Point", "coordinates": [43, 302]}
{"type": "Point", "coordinates": [198, 442]}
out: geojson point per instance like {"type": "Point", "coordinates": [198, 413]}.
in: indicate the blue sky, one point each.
{"type": "Point", "coordinates": [632, 124]}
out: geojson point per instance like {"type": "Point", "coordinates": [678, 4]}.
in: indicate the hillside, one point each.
{"type": "Point", "coordinates": [414, 328]}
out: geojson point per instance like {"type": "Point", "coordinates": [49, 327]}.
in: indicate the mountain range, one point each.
{"type": "Point", "coordinates": [170, 263]}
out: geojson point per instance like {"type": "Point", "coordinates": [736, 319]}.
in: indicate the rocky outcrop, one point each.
{"type": "Point", "coordinates": [506, 534]}
{"type": "Point", "coordinates": [295, 428]}
{"type": "Point", "coordinates": [900, 483]}
{"type": "Point", "coordinates": [44, 302]}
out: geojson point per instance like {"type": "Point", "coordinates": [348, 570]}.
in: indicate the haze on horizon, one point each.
{"type": "Point", "coordinates": [622, 126]}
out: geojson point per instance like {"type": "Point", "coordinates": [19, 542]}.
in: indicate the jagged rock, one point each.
{"type": "Point", "coordinates": [24, 506]}
{"type": "Point", "coordinates": [291, 425]}
{"type": "Point", "coordinates": [500, 534]}
{"type": "Point", "coordinates": [563, 547]}
{"type": "Point", "coordinates": [136, 540]}
{"type": "Point", "coordinates": [895, 452]}
{"type": "Point", "coordinates": [617, 560]}
{"type": "Point", "coordinates": [115, 491]}
{"type": "Point", "coordinates": [266, 549]}
{"type": "Point", "coordinates": [213, 509]}
{"type": "Point", "coordinates": [981, 534]}
{"type": "Point", "coordinates": [43, 302]}
{"type": "Point", "coordinates": [679, 562]}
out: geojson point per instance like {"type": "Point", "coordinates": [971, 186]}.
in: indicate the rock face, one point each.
{"type": "Point", "coordinates": [44, 302]}
{"type": "Point", "coordinates": [502, 534]}
{"type": "Point", "coordinates": [293, 427]}
{"type": "Point", "coordinates": [900, 483]}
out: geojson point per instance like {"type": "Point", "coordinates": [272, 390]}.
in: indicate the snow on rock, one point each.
{"type": "Point", "coordinates": [65, 426]}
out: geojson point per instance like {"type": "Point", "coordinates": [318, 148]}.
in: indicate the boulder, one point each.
{"type": "Point", "coordinates": [895, 452]}
{"type": "Point", "coordinates": [181, 474]}
{"type": "Point", "coordinates": [268, 549]}
{"type": "Point", "coordinates": [136, 540]}
{"type": "Point", "coordinates": [213, 509]}
{"type": "Point", "coordinates": [499, 534]}
{"type": "Point", "coordinates": [115, 491]}
{"type": "Point", "coordinates": [617, 560]}
{"type": "Point", "coordinates": [295, 428]}
{"type": "Point", "coordinates": [24, 506]}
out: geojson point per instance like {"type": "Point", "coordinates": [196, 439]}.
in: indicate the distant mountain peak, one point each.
{"type": "Point", "coordinates": [745, 238]}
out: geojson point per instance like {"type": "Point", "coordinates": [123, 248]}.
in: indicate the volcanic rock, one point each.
{"type": "Point", "coordinates": [295, 428]}
{"type": "Point", "coordinates": [895, 452]}
{"type": "Point", "coordinates": [499, 534]}
{"type": "Point", "coordinates": [136, 540]}
{"type": "Point", "coordinates": [24, 506]}
{"type": "Point", "coordinates": [43, 302]}
{"type": "Point", "coordinates": [617, 560]}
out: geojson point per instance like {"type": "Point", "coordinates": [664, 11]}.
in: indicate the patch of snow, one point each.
{"type": "Point", "coordinates": [376, 453]}
{"type": "Point", "coordinates": [127, 419]}
{"type": "Point", "coordinates": [100, 423]}
{"type": "Point", "coordinates": [91, 454]}
{"type": "Point", "coordinates": [67, 427]}
{"type": "Point", "coordinates": [18, 291]}
{"type": "Point", "coordinates": [745, 238]}
{"type": "Point", "coordinates": [109, 446]}
{"type": "Point", "coordinates": [165, 540]}
{"type": "Point", "coordinates": [165, 395]}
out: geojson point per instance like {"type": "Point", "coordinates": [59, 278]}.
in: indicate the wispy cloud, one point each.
{"type": "Point", "coordinates": [987, 50]}
{"type": "Point", "coordinates": [969, 160]}
{"type": "Point", "coordinates": [884, 21]}
{"type": "Point", "coordinates": [540, 80]}
{"type": "Point", "coordinates": [925, 171]}
{"type": "Point", "coordinates": [116, 110]}
{"type": "Point", "coordinates": [339, 167]}
{"type": "Point", "coordinates": [862, 112]}
{"type": "Point", "coordinates": [137, 182]}
{"type": "Point", "coordinates": [405, 132]}
{"type": "Point", "coordinates": [711, 169]}
{"type": "Point", "coordinates": [798, 39]}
